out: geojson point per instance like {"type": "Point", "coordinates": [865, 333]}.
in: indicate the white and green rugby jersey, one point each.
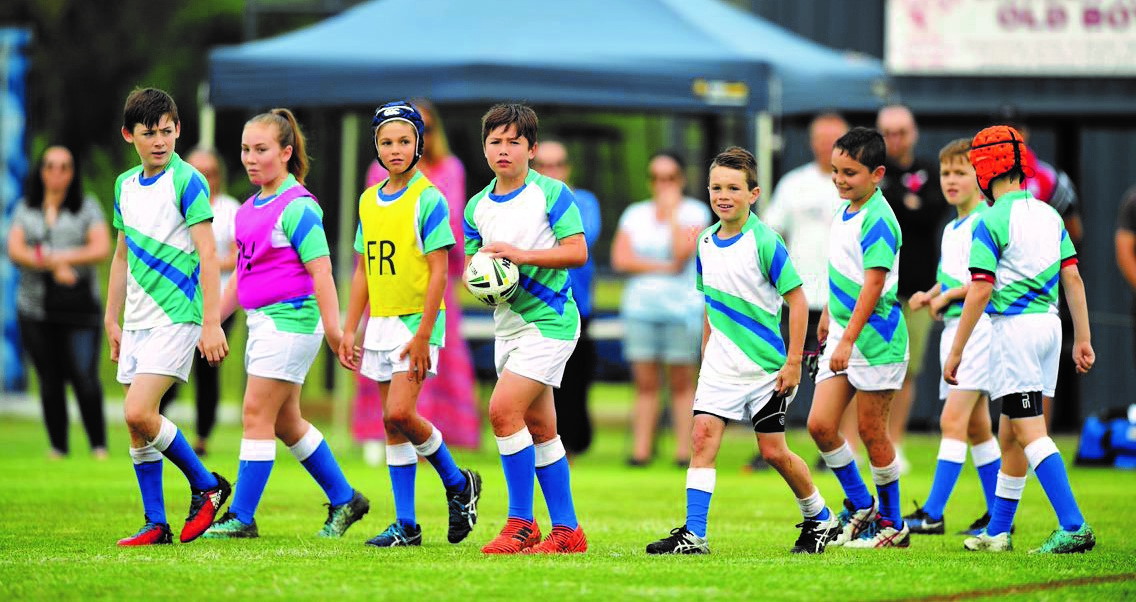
{"type": "Point", "coordinates": [535, 216]}
{"type": "Point", "coordinates": [954, 258]}
{"type": "Point", "coordinates": [869, 238]}
{"type": "Point", "coordinates": [300, 226]}
{"type": "Point", "coordinates": [163, 276]}
{"type": "Point", "coordinates": [1020, 245]}
{"type": "Point", "coordinates": [743, 279]}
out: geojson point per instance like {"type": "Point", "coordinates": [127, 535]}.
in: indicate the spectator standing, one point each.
{"type": "Point", "coordinates": [57, 237]}
{"type": "Point", "coordinates": [571, 399]}
{"type": "Point", "coordinates": [448, 402]}
{"type": "Point", "coordinates": [661, 310]}
{"type": "Point", "coordinates": [1126, 246]}
{"type": "Point", "coordinates": [207, 389]}
{"type": "Point", "coordinates": [911, 187]}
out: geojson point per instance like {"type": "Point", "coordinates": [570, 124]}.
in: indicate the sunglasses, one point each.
{"type": "Point", "coordinates": [663, 178]}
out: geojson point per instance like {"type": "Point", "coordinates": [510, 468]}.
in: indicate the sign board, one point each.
{"type": "Point", "coordinates": [1072, 38]}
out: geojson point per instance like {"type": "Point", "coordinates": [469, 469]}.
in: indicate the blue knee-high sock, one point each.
{"type": "Point", "coordinates": [987, 458]}
{"type": "Point", "coordinates": [887, 486]}
{"type": "Point", "coordinates": [1050, 471]}
{"type": "Point", "coordinates": [518, 460]}
{"type": "Point", "coordinates": [436, 452]}
{"type": "Point", "coordinates": [313, 452]}
{"type": "Point", "coordinates": [257, 457]}
{"type": "Point", "coordinates": [555, 483]}
{"type": "Point", "coordinates": [172, 443]}
{"type": "Point", "coordinates": [402, 462]}
{"type": "Point", "coordinates": [148, 470]}
{"type": "Point", "coordinates": [952, 455]}
{"type": "Point", "coordinates": [699, 489]}
{"type": "Point", "coordinates": [843, 465]}
{"type": "Point", "coordinates": [1007, 495]}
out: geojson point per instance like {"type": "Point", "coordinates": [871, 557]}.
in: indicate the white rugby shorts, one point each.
{"type": "Point", "coordinates": [278, 355]}
{"type": "Point", "coordinates": [736, 401]}
{"type": "Point", "coordinates": [539, 358]}
{"type": "Point", "coordinates": [975, 371]}
{"type": "Point", "coordinates": [166, 350]}
{"type": "Point", "coordinates": [1025, 352]}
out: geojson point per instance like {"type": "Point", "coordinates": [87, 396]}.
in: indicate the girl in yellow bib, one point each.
{"type": "Point", "coordinates": [402, 241]}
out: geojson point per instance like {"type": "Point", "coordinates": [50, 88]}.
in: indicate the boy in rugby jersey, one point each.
{"type": "Point", "coordinates": [402, 239]}
{"type": "Point", "coordinates": [1019, 252]}
{"type": "Point", "coordinates": [866, 350]}
{"type": "Point", "coordinates": [744, 272]}
{"type": "Point", "coordinates": [531, 220]}
{"type": "Point", "coordinates": [966, 411]}
{"type": "Point", "coordinates": [165, 272]}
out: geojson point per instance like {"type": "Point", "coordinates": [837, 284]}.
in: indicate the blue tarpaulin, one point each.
{"type": "Point", "coordinates": [679, 55]}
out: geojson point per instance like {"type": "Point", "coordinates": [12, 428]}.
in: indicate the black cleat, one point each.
{"type": "Point", "coordinates": [463, 507]}
{"type": "Point", "coordinates": [921, 523]}
{"type": "Point", "coordinates": [815, 534]}
{"type": "Point", "coordinates": [680, 541]}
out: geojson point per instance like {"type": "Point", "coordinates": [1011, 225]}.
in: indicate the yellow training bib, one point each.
{"type": "Point", "coordinates": [396, 268]}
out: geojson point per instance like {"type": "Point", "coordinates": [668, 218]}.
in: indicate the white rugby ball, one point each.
{"type": "Point", "coordinates": [491, 280]}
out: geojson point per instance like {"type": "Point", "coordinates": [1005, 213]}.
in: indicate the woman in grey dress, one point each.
{"type": "Point", "coordinates": [57, 238]}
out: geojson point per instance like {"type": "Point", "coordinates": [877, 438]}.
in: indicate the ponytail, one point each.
{"type": "Point", "coordinates": [289, 134]}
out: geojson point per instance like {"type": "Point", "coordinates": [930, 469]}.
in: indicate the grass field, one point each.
{"type": "Point", "coordinates": [63, 517]}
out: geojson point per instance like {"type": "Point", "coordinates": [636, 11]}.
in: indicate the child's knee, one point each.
{"type": "Point", "coordinates": [821, 430]}
{"type": "Point", "coordinates": [776, 455]}
{"type": "Point", "coordinates": [398, 419]}
{"type": "Point", "coordinates": [142, 420]}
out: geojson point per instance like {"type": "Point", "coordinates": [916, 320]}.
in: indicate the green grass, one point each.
{"type": "Point", "coordinates": [62, 518]}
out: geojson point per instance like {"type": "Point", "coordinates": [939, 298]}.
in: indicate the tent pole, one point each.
{"type": "Point", "coordinates": [344, 253]}
{"type": "Point", "coordinates": [207, 118]}
{"type": "Point", "coordinates": [763, 131]}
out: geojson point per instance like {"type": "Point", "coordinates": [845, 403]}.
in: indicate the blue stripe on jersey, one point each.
{"type": "Point", "coordinates": [761, 330]}
{"type": "Point", "coordinates": [471, 233]}
{"type": "Point", "coordinates": [844, 298]}
{"type": "Point", "coordinates": [187, 284]}
{"type": "Point", "coordinates": [885, 326]}
{"type": "Point", "coordinates": [698, 264]}
{"type": "Point", "coordinates": [297, 302]}
{"type": "Point", "coordinates": [879, 231]}
{"type": "Point", "coordinates": [560, 207]}
{"type": "Point", "coordinates": [1023, 302]}
{"type": "Point", "coordinates": [722, 243]}
{"type": "Point", "coordinates": [551, 298]}
{"type": "Point", "coordinates": [982, 235]}
{"type": "Point", "coordinates": [437, 216]}
{"type": "Point", "coordinates": [308, 221]}
{"type": "Point", "coordinates": [780, 256]}
{"type": "Point", "coordinates": [196, 187]}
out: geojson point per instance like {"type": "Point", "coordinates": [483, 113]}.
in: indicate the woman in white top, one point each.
{"type": "Point", "coordinates": [661, 309]}
{"type": "Point", "coordinates": [206, 377]}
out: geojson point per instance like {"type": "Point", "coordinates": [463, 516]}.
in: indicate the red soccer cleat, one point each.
{"type": "Point", "coordinates": [149, 535]}
{"type": "Point", "coordinates": [562, 540]}
{"type": "Point", "coordinates": [203, 508]}
{"type": "Point", "coordinates": [517, 536]}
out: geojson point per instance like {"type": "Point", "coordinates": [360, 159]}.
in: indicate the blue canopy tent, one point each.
{"type": "Point", "coordinates": [678, 55]}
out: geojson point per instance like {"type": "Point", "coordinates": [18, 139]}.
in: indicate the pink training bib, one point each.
{"type": "Point", "coordinates": [267, 274]}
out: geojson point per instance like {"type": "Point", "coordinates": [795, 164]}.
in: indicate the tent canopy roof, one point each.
{"type": "Point", "coordinates": [686, 55]}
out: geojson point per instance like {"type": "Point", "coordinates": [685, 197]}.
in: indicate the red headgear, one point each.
{"type": "Point", "coordinates": [995, 151]}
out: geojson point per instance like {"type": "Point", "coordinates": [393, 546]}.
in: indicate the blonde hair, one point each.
{"type": "Point", "coordinates": [957, 148]}
{"type": "Point", "coordinates": [740, 159]}
{"type": "Point", "coordinates": [288, 134]}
